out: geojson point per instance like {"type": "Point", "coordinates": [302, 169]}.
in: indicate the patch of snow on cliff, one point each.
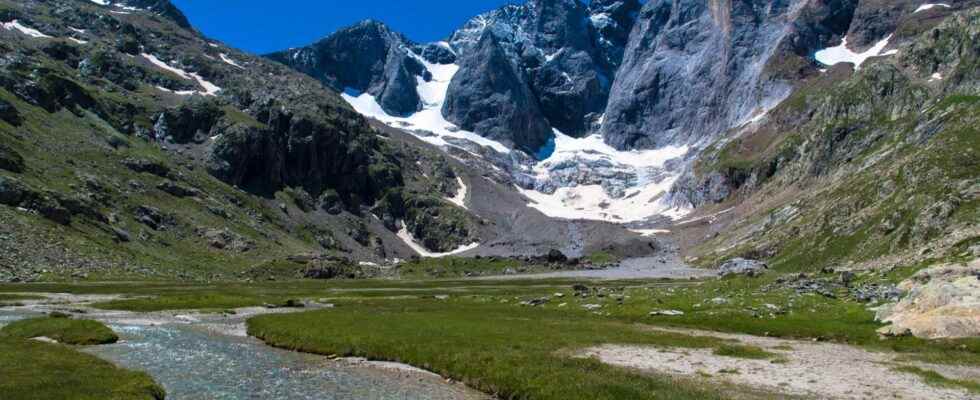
{"type": "Point", "coordinates": [925, 7]}
{"type": "Point", "coordinates": [433, 95]}
{"type": "Point", "coordinates": [460, 198]}
{"type": "Point", "coordinates": [101, 2]}
{"type": "Point", "coordinates": [210, 89]}
{"type": "Point", "coordinates": [229, 61]}
{"type": "Point", "coordinates": [410, 241]}
{"type": "Point", "coordinates": [842, 54]}
{"type": "Point", "coordinates": [16, 25]}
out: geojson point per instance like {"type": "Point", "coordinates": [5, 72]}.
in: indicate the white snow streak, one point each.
{"type": "Point", "coordinates": [210, 89]}
{"type": "Point", "coordinates": [460, 198]}
{"type": "Point", "coordinates": [12, 25]}
{"type": "Point", "coordinates": [229, 61]}
{"type": "Point", "coordinates": [925, 7]}
{"type": "Point", "coordinates": [406, 237]}
{"type": "Point", "coordinates": [842, 54]}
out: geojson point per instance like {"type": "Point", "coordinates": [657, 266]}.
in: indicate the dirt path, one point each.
{"type": "Point", "coordinates": [823, 370]}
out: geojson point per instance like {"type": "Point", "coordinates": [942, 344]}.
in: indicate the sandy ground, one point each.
{"type": "Point", "coordinates": [821, 370]}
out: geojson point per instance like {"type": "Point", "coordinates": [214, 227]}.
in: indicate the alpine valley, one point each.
{"type": "Point", "coordinates": [613, 199]}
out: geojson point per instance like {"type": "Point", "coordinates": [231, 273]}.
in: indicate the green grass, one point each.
{"type": "Point", "coordinates": [500, 348]}
{"type": "Point", "coordinates": [935, 379]}
{"type": "Point", "coordinates": [18, 297]}
{"type": "Point", "coordinates": [33, 370]}
{"type": "Point", "coordinates": [64, 330]}
{"type": "Point", "coordinates": [743, 351]}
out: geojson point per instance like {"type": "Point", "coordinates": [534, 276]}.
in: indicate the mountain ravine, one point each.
{"type": "Point", "coordinates": [558, 199]}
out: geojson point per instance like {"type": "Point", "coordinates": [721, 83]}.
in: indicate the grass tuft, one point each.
{"type": "Point", "coordinates": [64, 330]}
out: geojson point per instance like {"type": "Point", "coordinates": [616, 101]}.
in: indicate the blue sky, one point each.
{"type": "Point", "coordinates": [262, 26]}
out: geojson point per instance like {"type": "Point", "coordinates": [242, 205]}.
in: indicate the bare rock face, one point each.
{"type": "Point", "coordinates": [490, 97]}
{"type": "Point", "coordinates": [692, 69]}
{"type": "Point", "coordinates": [567, 53]}
{"type": "Point", "coordinates": [942, 302]}
{"type": "Point", "coordinates": [367, 57]}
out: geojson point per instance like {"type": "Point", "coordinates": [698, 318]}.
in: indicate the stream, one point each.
{"type": "Point", "coordinates": [209, 356]}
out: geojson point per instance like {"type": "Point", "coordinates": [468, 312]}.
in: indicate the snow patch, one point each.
{"type": "Point", "coordinates": [433, 95]}
{"type": "Point", "coordinates": [406, 237]}
{"type": "Point", "coordinates": [79, 41]}
{"type": "Point", "coordinates": [210, 89]}
{"type": "Point", "coordinates": [16, 25]}
{"type": "Point", "coordinates": [101, 2]}
{"type": "Point", "coordinates": [842, 54]}
{"type": "Point", "coordinates": [936, 77]}
{"type": "Point", "coordinates": [229, 61]}
{"type": "Point", "coordinates": [461, 194]}
{"type": "Point", "coordinates": [925, 7]}
{"type": "Point", "coordinates": [650, 232]}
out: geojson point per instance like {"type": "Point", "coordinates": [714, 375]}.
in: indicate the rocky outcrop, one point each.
{"type": "Point", "coordinates": [489, 96]}
{"type": "Point", "coordinates": [942, 302]}
{"type": "Point", "coordinates": [367, 58]}
{"type": "Point", "coordinates": [10, 160]}
{"type": "Point", "coordinates": [9, 113]}
{"type": "Point", "coordinates": [192, 121]}
{"type": "Point", "coordinates": [307, 147]}
{"type": "Point", "coordinates": [567, 52]}
{"type": "Point", "coordinates": [693, 69]}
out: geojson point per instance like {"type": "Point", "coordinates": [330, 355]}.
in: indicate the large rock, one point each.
{"type": "Point", "coordinates": [9, 113]}
{"type": "Point", "coordinates": [742, 266]}
{"type": "Point", "coordinates": [367, 57]}
{"type": "Point", "coordinates": [307, 148]}
{"type": "Point", "coordinates": [192, 121]}
{"type": "Point", "coordinates": [10, 160]}
{"type": "Point", "coordinates": [489, 96]}
{"type": "Point", "coordinates": [941, 302]}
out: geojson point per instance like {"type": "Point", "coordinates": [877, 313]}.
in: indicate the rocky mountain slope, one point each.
{"type": "Point", "coordinates": [807, 133]}
{"type": "Point", "coordinates": [640, 114]}
{"type": "Point", "coordinates": [867, 168]}
{"type": "Point", "coordinates": [131, 146]}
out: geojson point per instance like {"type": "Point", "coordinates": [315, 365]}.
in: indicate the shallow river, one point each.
{"type": "Point", "coordinates": [206, 357]}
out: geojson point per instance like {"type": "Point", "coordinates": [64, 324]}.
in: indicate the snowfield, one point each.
{"type": "Point", "coordinates": [16, 25]}
{"type": "Point", "coordinates": [642, 201]}
{"type": "Point", "coordinates": [842, 54]}
{"type": "Point", "coordinates": [433, 95]}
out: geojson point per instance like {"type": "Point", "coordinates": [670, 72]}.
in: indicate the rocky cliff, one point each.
{"type": "Point", "coordinates": [366, 58]}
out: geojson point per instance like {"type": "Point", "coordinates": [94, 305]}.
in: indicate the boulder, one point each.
{"type": "Point", "coordinates": [177, 190]}
{"type": "Point", "coordinates": [941, 302]}
{"type": "Point", "coordinates": [556, 257]}
{"type": "Point", "coordinates": [12, 191]}
{"type": "Point", "coordinates": [148, 166]}
{"type": "Point", "coordinates": [9, 113]}
{"type": "Point", "coordinates": [742, 266]}
{"type": "Point", "coordinates": [153, 218]}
